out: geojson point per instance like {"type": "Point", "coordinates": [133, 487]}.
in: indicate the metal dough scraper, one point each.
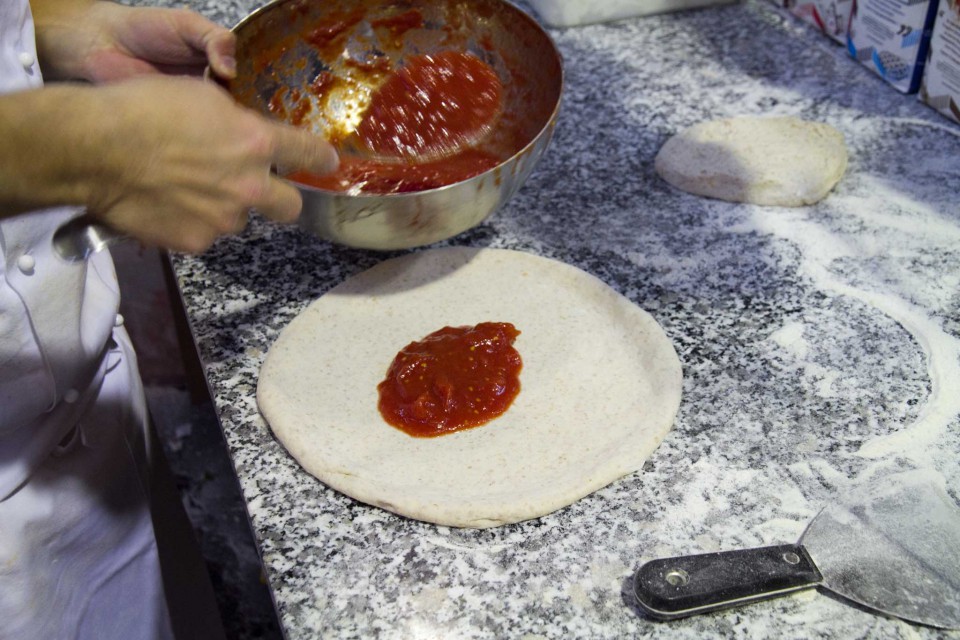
{"type": "Point", "coordinates": [893, 547]}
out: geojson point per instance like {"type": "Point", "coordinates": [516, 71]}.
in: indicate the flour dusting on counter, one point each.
{"type": "Point", "coordinates": [900, 221]}
{"type": "Point", "coordinates": [790, 338]}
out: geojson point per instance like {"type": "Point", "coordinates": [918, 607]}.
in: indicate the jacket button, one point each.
{"type": "Point", "coordinates": [27, 59]}
{"type": "Point", "coordinates": [118, 321]}
{"type": "Point", "coordinates": [71, 396]}
{"type": "Point", "coordinates": [26, 263]}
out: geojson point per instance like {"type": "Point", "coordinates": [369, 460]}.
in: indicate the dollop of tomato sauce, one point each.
{"type": "Point", "coordinates": [423, 121]}
{"type": "Point", "coordinates": [454, 379]}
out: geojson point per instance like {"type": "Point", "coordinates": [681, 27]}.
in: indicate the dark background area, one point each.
{"type": "Point", "coordinates": [193, 444]}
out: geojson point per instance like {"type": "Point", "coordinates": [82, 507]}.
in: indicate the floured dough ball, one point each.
{"type": "Point", "coordinates": [782, 161]}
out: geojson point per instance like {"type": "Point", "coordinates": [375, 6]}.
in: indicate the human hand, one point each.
{"type": "Point", "coordinates": [181, 163]}
{"type": "Point", "coordinates": [103, 41]}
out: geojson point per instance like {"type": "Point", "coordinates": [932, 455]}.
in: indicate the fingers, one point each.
{"type": "Point", "coordinates": [297, 149]}
{"type": "Point", "coordinates": [221, 50]}
{"type": "Point", "coordinates": [280, 201]}
{"type": "Point", "coordinates": [293, 149]}
{"type": "Point", "coordinates": [217, 43]}
{"type": "Point", "coordinates": [243, 218]}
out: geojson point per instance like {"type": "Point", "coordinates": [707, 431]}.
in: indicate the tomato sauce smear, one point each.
{"type": "Point", "coordinates": [373, 177]}
{"type": "Point", "coordinates": [421, 128]}
{"type": "Point", "coordinates": [432, 105]}
{"type": "Point", "coordinates": [456, 378]}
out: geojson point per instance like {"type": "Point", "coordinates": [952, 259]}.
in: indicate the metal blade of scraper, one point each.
{"type": "Point", "coordinates": [892, 547]}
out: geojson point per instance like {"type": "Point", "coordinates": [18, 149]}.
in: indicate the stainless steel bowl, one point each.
{"type": "Point", "coordinates": [284, 46]}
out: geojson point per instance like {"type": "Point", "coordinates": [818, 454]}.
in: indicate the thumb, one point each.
{"type": "Point", "coordinates": [221, 52]}
{"type": "Point", "coordinates": [300, 150]}
{"type": "Point", "coordinates": [217, 43]}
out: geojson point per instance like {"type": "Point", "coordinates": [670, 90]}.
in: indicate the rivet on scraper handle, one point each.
{"type": "Point", "coordinates": [670, 588]}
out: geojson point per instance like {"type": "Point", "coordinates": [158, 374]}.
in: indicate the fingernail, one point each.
{"type": "Point", "coordinates": [229, 66]}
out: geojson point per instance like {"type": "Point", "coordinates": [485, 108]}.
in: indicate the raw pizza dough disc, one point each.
{"type": "Point", "coordinates": [781, 161]}
{"type": "Point", "coordinates": [600, 387]}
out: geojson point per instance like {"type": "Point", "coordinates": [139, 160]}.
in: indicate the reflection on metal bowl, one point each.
{"type": "Point", "coordinates": [316, 64]}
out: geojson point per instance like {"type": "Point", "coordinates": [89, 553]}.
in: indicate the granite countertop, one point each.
{"type": "Point", "coordinates": [820, 347]}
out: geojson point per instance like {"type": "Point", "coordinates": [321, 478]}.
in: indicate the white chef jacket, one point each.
{"type": "Point", "coordinates": [78, 555]}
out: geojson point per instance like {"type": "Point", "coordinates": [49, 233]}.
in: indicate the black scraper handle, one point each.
{"type": "Point", "coordinates": [671, 588]}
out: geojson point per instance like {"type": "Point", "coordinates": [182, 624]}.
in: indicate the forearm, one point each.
{"type": "Point", "coordinates": [51, 148]}
{"type": "Point", "coordinates": [63, 34]}
{"type": "Point", "coordinates": [46, 10]}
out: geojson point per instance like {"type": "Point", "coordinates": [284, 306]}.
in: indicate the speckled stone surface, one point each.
{"type": "Point", "coordinates": [820, 346]}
